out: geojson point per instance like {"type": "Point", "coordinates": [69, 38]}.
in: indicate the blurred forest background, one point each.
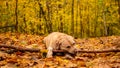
{"type": "Point", "coordinates": [79, 18]}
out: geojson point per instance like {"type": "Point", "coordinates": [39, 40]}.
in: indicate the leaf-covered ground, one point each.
{"type": "Point", "coordinates": [38, 60]}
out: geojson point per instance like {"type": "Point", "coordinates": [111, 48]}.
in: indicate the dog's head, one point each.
{"type": "Point", "coordinates": [68, 46]}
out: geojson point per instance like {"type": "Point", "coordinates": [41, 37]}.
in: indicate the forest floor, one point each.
{"type": "Point", "coordinates": [26, 59]}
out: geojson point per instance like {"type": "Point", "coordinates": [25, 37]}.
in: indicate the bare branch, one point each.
{"type": "Point", "coordinates": [18, 48]}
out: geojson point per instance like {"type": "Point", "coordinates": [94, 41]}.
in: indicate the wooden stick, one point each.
{"type": "Point", "coordinates": [18, 48]}
{"type": "Point", "coordinates": [98, 51]}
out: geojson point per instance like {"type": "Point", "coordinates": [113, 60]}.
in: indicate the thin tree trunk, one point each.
{"type": "Point", "coordinates": [6, 24]}
{"type": "Point", "coordinates": [24, 19]}
{"type": "Point", "coordinates": [61, 24]}
{"type": "Point", "coordinates": [49, 16]}
{"type": "Point", "coordinates": [119, 11]}
{"type": "Point", "coordinates": [76, 34]}
{"type": "Point", "coordinates": [16, 14]}
{"type": "Point", "coordinates": [81, 27]}
{"type": "Point", "coordinates": [88, 30]}
{"type": "Point", "coordinates": [72, 18]}
{"type": "Point", "coordinates": [104, 21]}
{"type": "Point", "coordinates": [96, 19]}
{"type": "Point", "coordinates": [40, 16]}
{"type": "Point", "coordinates": [42, 12]}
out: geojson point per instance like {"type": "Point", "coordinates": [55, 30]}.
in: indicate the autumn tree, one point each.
{"type": "Point", "coordinates": [80, 18]}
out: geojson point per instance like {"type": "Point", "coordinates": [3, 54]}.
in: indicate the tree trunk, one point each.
{"type": "Point", "coordinates": [88, 29]}
{"type": "Point", "coordinates": [24, 20]}
{"type": "Point", "coordinates": [49, 16]}
{"type": "Point", "coordinates": [40, 16]}
{"type": "Point", "coordinates": [72, 18]}
{"type": "Point", "coordinates": [6, 24]}
{"type": "Point", "coordinates": [104, 21]}
{"type": "Point", "coordinates": [77, 16]}
{"type": "Point", "coordinates": [96, 19]}
{"type": "Point", "coordinates": [16, 14]}
{"type": "Point", "coordinates": [81, 26]}
{"type": "Point", "coordinates": [119, 11]}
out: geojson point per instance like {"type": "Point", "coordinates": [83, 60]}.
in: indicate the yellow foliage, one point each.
{"type": "Point", "coordinates": [36, 15]}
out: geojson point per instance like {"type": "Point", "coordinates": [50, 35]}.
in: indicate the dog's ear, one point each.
{"type": "Point", "coordinates": [58, 44]}
{"type": "Point", "coordinates": [71, 39]}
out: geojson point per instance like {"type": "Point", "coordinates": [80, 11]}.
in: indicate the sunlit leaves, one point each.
{"type": "Point", "coordinates": [35, 60]}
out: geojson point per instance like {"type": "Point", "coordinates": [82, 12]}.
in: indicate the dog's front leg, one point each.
{"type": "Point", "coordinates": [50, 52]}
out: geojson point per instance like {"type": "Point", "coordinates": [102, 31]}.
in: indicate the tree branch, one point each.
{"type": "Point", "coordinates": [98, 51]}
{"type": "Point", "coordinates": [18, 48]}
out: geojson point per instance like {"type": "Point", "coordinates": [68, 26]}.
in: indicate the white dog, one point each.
{"type": "Point", "coordinates": [59, 41]}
